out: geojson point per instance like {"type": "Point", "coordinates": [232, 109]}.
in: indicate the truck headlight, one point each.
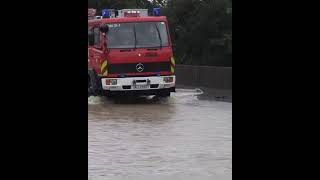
{"type": "Point", "coordinates": [111, 81]}
{"type": "Point", "coordinates": [168, 79]}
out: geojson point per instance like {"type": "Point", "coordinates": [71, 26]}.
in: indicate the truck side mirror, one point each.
{"type": "Point", "coordinates": [91, 39]}
{"type": "Point", "coordinates": [104, 28]}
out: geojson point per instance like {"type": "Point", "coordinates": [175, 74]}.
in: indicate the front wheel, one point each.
{"type": "Point", "coordinates": [89, 86]}
{"type": "Point", "coordinates": [91, 91]}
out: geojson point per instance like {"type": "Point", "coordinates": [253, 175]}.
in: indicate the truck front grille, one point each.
{"type": "Point", "coordinates": [131, 68]}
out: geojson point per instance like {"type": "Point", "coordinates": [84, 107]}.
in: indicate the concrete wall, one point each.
{"type": "Point", "coordinates": [207, 76]}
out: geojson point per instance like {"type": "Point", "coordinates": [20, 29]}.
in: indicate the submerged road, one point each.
{"type": "Point", "coordinates": [187, 136]}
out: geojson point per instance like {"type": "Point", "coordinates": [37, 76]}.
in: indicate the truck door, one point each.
{"type": "Point", "coordinates": [95, 51]}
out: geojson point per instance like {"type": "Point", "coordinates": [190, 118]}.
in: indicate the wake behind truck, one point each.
{"type": "Point", "coordinates": [130, 52]}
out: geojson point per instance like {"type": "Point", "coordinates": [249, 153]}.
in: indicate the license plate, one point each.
{"type": "Point", "coordinates": [141, 86]}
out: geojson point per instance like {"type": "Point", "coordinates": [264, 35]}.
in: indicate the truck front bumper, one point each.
{"type": "Point", "coordinates": [138, 83]}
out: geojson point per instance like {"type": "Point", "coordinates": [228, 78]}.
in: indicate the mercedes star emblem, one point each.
{"type": "Point", "coordinates": [139, 67]}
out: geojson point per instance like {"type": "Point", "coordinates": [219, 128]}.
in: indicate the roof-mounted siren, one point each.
{"type": "Point", "coordinates": [156, 11]}
{"type": "Point", "coordinates": [105, 13]}
{"type": "Point", "coordinates": [132, 12]}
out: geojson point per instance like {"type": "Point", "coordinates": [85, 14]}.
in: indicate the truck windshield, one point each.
{"type": "Point", "coordinates": [138, 34]}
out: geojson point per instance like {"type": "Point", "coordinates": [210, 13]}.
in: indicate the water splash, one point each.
{"type": "Point", "coordinates": [188, 92]}
{"type": "Point", "coordinates": [181, 95]}
{"type": "Point", "coordinates": [93, 100]}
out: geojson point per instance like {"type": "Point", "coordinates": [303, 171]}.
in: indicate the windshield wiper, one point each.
{"type": "Point", "coordinates": [159, 35]}
{"type": "Point", "coordinates": [135, 36]}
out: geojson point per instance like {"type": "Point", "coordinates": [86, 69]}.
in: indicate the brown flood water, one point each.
{"type": "Point", "coordinates": [182, 137]}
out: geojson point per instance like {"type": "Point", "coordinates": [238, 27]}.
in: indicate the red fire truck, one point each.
{"type": "Point", "coordinates": [130, 53]}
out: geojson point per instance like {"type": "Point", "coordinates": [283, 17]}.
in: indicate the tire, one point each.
{"type": "Point", "coordinates": [92, 90]}
{"type": "Point", "coordinates": [89, 86]}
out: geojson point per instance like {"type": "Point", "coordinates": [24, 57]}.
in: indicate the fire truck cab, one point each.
{"type": "Point", "coordinates": [130, 53]}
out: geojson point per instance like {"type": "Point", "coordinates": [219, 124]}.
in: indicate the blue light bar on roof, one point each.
{"type": "Point", "coordinates": [156, 11]}
{"type": "Point", "coordinates": [105, 13]}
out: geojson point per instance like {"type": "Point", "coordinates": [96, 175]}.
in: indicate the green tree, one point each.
{"type": "Point", "coordinates": [201, 31]}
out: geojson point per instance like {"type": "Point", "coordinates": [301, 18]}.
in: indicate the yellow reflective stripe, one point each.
{"type": "Point", "coordinates": [173, 61]}
{"type": "Point", "coordinates": [173, 64]}
{"type": "Point", "coordinates": [104, 65]}
{"type": "Point", "coordinates": [104, 68]}
{"type": "Point", "coordinates": [105, 73]}
{"type": "Point", "coordinates": [172, 69]}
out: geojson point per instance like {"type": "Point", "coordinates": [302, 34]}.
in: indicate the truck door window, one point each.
{"type": "Point", "coordinates": [96, 32]}
{"type": "Point", "coordinates": [90, 40]}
